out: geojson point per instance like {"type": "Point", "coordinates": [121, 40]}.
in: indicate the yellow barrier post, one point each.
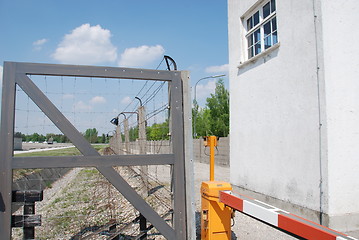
{"type": "Point", "coordinates": [215, 216]}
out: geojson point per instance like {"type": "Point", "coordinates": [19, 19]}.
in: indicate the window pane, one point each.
{"type": "Point", "coordinates": [266, 10]}
{"type": "Point", "coordinates": [249, 23]}
{"type": "Point", "coordinates": [257, 36]}
{"type": "Point", "coordinates": [257, 48]}
{"type": "Point", "coordinates": [250, 40]}
{"type": "Point", "coordinates": [256, 18]}
{"type": "Point", "coordinates": [274, 24]}
{"type": "Point", "coordinates": [275, 37]}
{"type": "Point", "coordinates": [250, 52]}
{"type": "Point", "coordinates": [272, 3]}
{"type": "Point", "coordinates": [267, 29]}
{"type": "Point", "coordinates": [268, 41]}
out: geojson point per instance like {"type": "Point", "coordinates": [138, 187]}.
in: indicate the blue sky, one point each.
{"type": "Point", "coordinates": [119, 33]}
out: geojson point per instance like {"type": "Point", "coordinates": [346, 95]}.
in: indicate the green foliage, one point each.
{"type": "Point", "coordinates": [103, 138]}
{"type": "Point", "coordinates": [158, 131]}
{"type": "Point", "coordinates": [133, 134]}
{"type": "Point", "coordinates": [214, 118]}
{"type": "Point", "coordinates": [35, 137]}
{"type": "Point", "coordinates": [203, 126]}
{"type": "Point", "coordinates": [91, 135]}
{"type": "Point", "coordinates": [18, 135]}
{"type": "Point", "coordinates": [218, 105]}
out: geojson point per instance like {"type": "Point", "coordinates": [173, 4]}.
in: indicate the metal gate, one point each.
{"type": "Point", "coordinates": [17, 74]}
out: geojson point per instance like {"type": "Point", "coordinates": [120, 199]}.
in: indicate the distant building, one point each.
{"type": "Point", "coordinates": [294, 94]}
{"type": "Point", "coordinates": [17, 143]}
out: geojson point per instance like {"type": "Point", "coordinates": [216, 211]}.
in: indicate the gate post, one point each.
{"type": "Point", "coordinates": [6, 147]}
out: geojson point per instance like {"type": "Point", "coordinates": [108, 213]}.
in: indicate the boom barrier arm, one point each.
{"type": "Point", "coordinates": [279, 218]}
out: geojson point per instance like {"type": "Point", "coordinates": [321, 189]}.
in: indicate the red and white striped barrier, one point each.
{"type": "Point", "coordinates": [280, 218]}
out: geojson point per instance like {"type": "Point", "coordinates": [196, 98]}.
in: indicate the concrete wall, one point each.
{"type": "Point", "coordinates": [221, 153]}
{"type": "Point", "coordinates": [274, 109]}
{"type": "Point", "coordinates": [294, 110]}
{"type": "Point", "coordinates": [341, 65]}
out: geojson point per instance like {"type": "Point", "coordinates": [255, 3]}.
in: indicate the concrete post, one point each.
{"type": "Point", "coordinates": [142, 129]}
{"type": "Point", "coordinates": [118, 142]}
{"type": "Point", "coordinates": [127, 136]}
{"type": "Point", "coordinates": [142, 141]}
{"type": "Point", "coordinates": [143, 150]}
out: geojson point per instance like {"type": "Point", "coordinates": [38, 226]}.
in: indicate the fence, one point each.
{"type": "Point", "coordinates": [100, 196]}
{"type": "Point", "coordinates": [200, 153]}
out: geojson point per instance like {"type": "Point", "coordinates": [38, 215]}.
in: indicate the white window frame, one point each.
{"type": "Point", "coordinates": [260, 26]}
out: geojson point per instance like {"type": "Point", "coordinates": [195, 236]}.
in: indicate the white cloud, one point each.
{"type": "Point", "coordinates": [68, 96]}
{"type": "Point", "coordinates": [98, 100]}
{"type": "Point", "coordinates": [39, 43]}
{"type": "Point", "coordinates": [140, 56]}
{"type": "Point", "coordinates": [86, 45]}
{"type": "Point", "coordinates": [1, 72]}
{"type": "Point", "coordinates": [204, 90]}
{"type": "Point", "coordinates": [81, 106]}
{"type": "Point", "coordinates": [217, 69]}
{"type": "Point", "coordinates": [126, 100]}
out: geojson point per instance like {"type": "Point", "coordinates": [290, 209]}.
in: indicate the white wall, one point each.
{"type": "Point", "coordinates": [295, 111]}
{"type": "Point", "coordinates": [341, 59]}
{"type": "Point", "coordinates": [275, 147]}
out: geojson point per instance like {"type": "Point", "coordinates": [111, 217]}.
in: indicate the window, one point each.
{"type": "Point", "coordinates": [261, 29]}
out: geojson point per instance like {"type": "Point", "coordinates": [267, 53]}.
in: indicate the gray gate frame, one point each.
{"type": "Point", "coordinates": [16, 73]}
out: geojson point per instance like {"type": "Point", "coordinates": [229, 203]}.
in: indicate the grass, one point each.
{"type": "Point", "coordinates": [80, 204]}
{"type": "Point", "coordinates": [72, 151]}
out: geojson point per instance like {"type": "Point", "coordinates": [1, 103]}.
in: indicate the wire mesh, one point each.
{"type": "Point", "coordinates": [79, 203]}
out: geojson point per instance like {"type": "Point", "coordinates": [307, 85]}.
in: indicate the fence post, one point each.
{"type": "Point", "coordinates": [144, 169]}
{"type": "Point", "coordinates": [118, 143]}
{"type": "Point", "coordinates": [127, 135]}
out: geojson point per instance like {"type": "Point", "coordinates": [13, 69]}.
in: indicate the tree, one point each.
{"type": "Point", "coordinates": [214, 118]}
{"type": "Point", "coordinates": [218, 105]}
{"type": "Point", "coordinates": [203, 126]}
{"type": "Point", "coordinates": [103, 138]}
{"type": "Point", "coordinates": [35, 137]}
{"type": "Point", "coordinates": [158, 131]}
{"type": "Point", "coordinates": [91, 135]}
{"type": "Point", "coordinates": [133, 132]}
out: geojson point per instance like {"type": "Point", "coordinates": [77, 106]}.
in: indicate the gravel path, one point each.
{"type": "Point", "coordinates": [55, 191]}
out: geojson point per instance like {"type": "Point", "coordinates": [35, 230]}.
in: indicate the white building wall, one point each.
{"type": "Point", "coordinates": [341, 51]}
{"type": "Point", "coordinates": [275, 147]}
{"type": "Point", "coordinates": [295, 110]}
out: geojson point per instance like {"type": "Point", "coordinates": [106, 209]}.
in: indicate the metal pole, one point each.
{"type": "Point", "coordinates": [212, 144]}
